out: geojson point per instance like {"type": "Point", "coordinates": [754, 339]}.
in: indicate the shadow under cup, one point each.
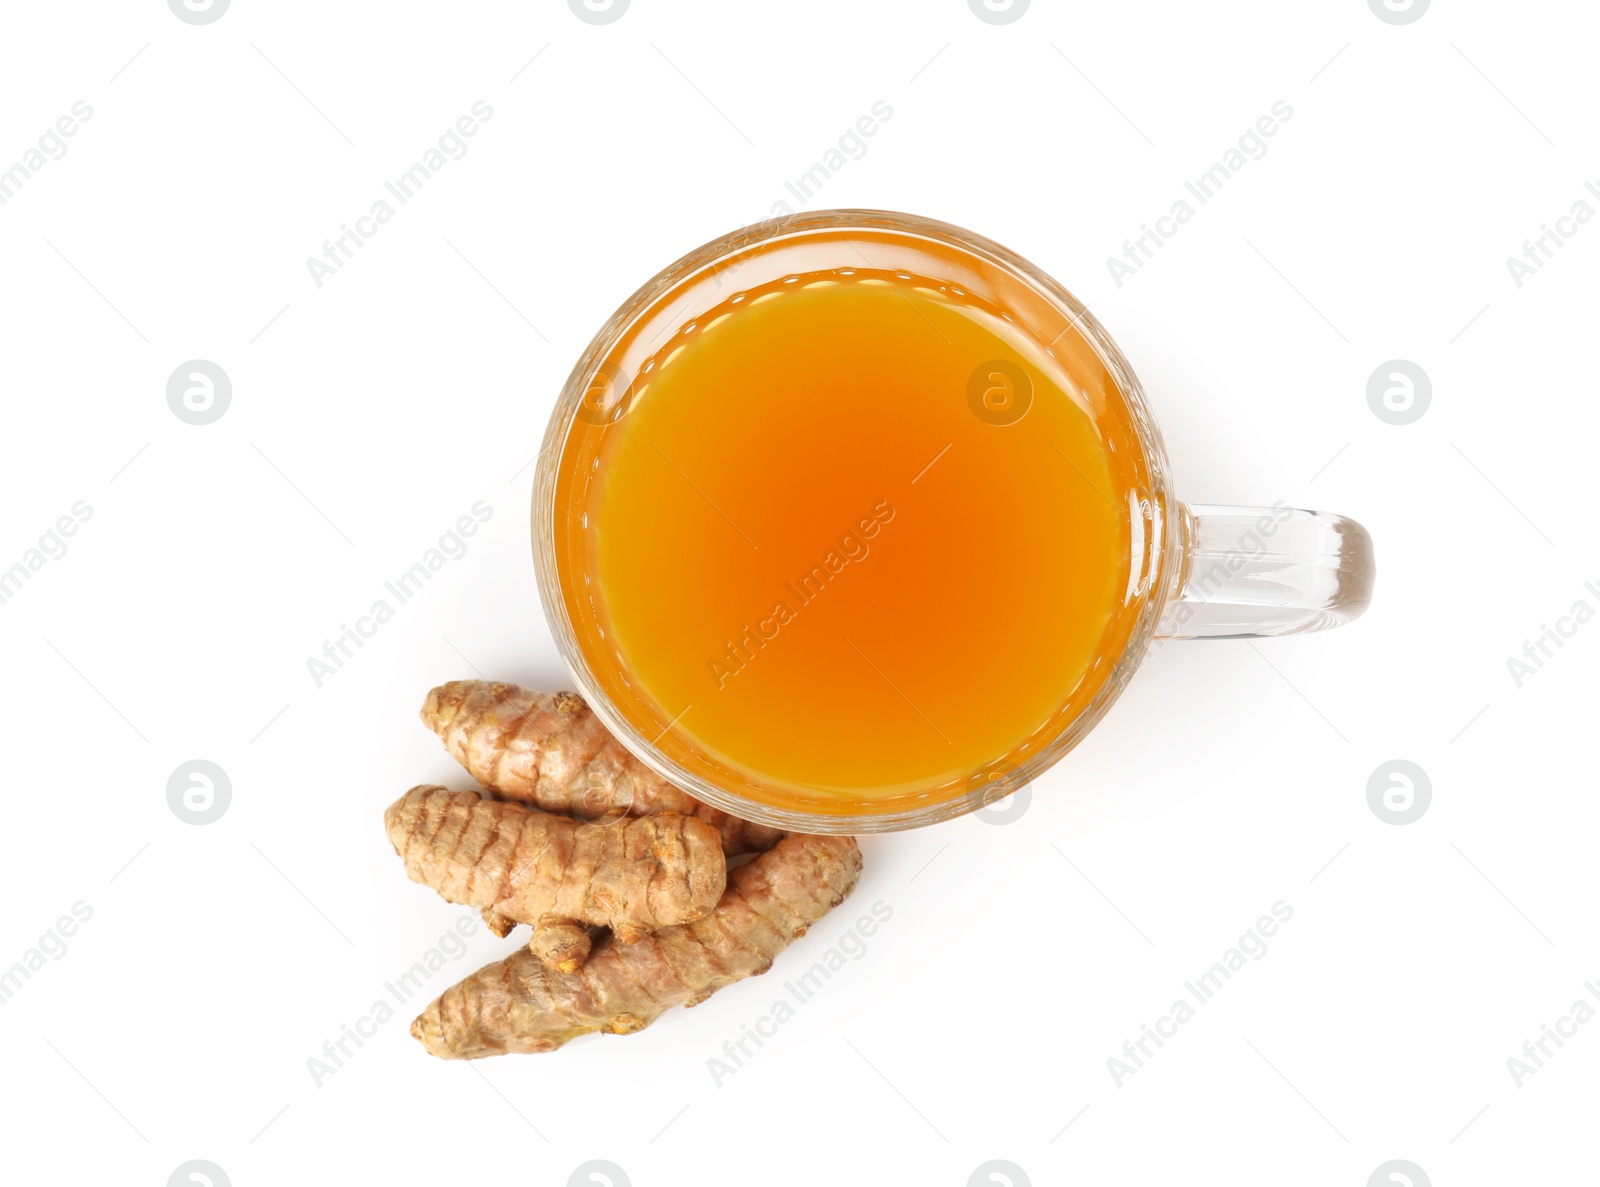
{"type": "Point", "coordinates": [972, 288]}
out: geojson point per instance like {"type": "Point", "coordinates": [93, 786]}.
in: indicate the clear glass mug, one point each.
{"type": "Point", "coordinates": [1195, 571]}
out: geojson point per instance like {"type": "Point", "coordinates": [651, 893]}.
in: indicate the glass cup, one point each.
{"type": "Point", "coordinates": [1196, 571]}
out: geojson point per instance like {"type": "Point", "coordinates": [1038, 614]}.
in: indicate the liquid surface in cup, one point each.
{"type": "Point", "coordinates": [857, 538]}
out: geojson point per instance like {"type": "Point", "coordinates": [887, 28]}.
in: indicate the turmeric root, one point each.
{"type": "Point", "coordinates": [530, 867]}
{"type": "Point", "coordinates": [551, 751]}
{"type": "Point", "coordinates": [560, 944]}
{"type": "Point", "coordinates": [519, 1005]}
{"type": "Point", "coordinates": [497, 923]}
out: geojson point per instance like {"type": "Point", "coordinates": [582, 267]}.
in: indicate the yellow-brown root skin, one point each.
{"type": "Point", "coordinates": [560, 945]}
{"type": "Point", "coordinates": [518, 1005]}
{"type": "Point", "coordinates": [529, 866]}
{"type": "Point", "coordinates": [497, 923]}
{"type": "Point", "coordinates": [551, 751]}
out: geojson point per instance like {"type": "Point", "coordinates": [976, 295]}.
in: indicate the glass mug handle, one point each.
{"type": "Point", "coordinates": [1266, 571]}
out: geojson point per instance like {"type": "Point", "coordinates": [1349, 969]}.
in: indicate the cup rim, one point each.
{"type": "Point", "coordinates": [1159, 551]}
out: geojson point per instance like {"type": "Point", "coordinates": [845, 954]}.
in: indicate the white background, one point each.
{"type": "Point", "coordinates": [370, 413]}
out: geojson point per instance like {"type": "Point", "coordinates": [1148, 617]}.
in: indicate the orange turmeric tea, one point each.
{"type": "Point", "coordinates": [852, 536]}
